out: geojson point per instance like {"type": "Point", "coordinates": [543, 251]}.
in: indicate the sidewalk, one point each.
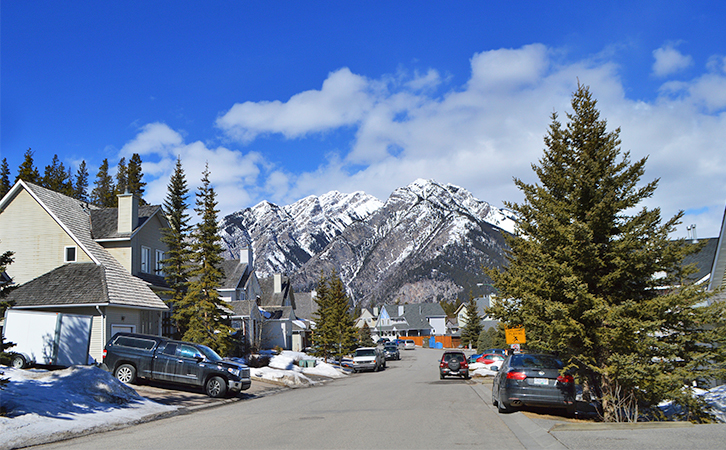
{"type": "Point", "coordinates": [551, 432]}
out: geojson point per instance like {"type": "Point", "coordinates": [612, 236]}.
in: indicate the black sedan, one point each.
{"type": "Point", "coordinates": [390, 350]}
{"type": "Point", "coordinates": [533, 380]}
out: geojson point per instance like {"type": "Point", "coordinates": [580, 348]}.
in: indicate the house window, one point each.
{"type": "Point", "coordinates": [69, 254]}
{"type": "Point", "coordinates": [159, 262]}
{"type": "Point", "coordinates": [145, 259]}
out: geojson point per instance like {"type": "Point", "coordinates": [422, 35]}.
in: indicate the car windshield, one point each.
{"type": "Point", "coordinates": [365, 352]}
{"type": "Point", "coordinates": [390, 347]}
{"type": "Point", "coordinates": [536, 361]}
{"type": "Point", "coordinates": [210, 354]}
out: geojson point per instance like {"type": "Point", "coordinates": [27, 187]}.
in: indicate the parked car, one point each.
{"type": "Point", "coordinates": [453, 363]}
{"type": "Point", "coordinates": [409, 344]}
{"type": "Point", "coordinates": [390, 351]}
{"type": "Point", "coordinates": [368, 358]}
{"type": "Point", "coordinates": [474, 357]}
{"type": "Point", "coordinates": [533, 380]}
{"type": "Point", "coordinates": [492, 361]}
{"type": "Point", "coordinates": [130, 356]}
{"type": "Point", "coordinates": [499, 351]}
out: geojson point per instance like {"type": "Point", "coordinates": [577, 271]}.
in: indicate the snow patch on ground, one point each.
{"type": "Point", "coordinates": [284, 368]}
{"type": "Point", "coordinates": [42, 405]}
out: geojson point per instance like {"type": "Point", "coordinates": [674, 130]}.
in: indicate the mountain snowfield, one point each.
{"type": "Point", "coordinates": [427, 242]}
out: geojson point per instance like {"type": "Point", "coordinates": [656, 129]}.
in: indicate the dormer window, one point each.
{"type": "Point", "coordinates": [69, 254]}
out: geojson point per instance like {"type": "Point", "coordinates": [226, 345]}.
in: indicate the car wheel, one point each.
{"type": "Point", "coordinates": [18, 361]}
{"type": "Point", "coordinates": [441, 375]}
{"type": "Point", "coordinates": [466, 376]}
{"type": "Point", "coordinates": [216, 387]}
{"type": "Point", "coordinates": [126, 373]}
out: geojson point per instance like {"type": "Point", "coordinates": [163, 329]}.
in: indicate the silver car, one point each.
{"type": "Point", "coordinates": [369, 358]}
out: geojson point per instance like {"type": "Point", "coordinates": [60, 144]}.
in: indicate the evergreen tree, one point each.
{"type": "Point", "coordinates": [80, 187]}
{"type": "Point", "coordinates": [103, 194]}
{"type": "Point", "coordinates": [202, 305]}
{"type": "Point", "coordinates": [321, 333]}
{"type": "Point", "coordinates": [122, 182]}
{"type": "Point", "coordinates": [177, 258]}
{"type": "Point", "coordinates": [492, 337]}
{"type": "Point", "coordinates": [56, 178]}
{"type": "Point", "coordinates": [582, 275]}
{"type": "Point", "coordinates": [27, 171]}
{"type": "Point", "coordinates": [5, 288]}
{"type": "Point", "coordinates": [4, 178]}
{"type": "Point", "coordinates": [335, 334]}
{"type": "Point", "coordinates": [472, 329]}
{"type": "Point", "coordinates": [134, 176]}
{"type": "Point", "coordinates": [364, 336]}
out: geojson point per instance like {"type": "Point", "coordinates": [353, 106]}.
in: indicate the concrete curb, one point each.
{"type": "Point", "coordinates": [587, 426]}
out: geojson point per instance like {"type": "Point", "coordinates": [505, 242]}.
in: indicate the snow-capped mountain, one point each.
{"type": "Point", "coordinates": [427, 242]}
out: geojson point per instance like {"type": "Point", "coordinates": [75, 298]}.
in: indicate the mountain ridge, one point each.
{"type": "Point", "coordinates": [426, 242]}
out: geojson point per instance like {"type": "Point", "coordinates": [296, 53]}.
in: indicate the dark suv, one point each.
{"type": "Point", "coordinates": [454, 363]}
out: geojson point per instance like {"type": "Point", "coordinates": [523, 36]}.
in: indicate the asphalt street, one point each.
{"type": "Point", "coordinates": [405, 406]}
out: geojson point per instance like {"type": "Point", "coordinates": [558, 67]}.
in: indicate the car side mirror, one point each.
{"type": "Point", "coordinates": [199, 358]}
{"type": "Point", "coordinates": [495, 369]}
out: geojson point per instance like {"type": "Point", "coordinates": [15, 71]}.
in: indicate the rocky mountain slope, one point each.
{"type": "Point", "coordinates": [427, 242]}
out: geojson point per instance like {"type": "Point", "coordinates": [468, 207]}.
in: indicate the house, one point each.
{"type": "Point", "coordinates": [306, 309]}
{"type": "Point", "coordinates": [365, 318]}
{"type": "Point", "coordinates": [422, 319]}
{"type": "Point", "coordinates": [482, 303]}
{"type": "Point", "coordinates": [77, 258]}
{"type": "Point", "coordinates": [277, 305]}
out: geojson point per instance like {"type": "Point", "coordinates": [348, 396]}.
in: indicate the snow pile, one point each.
{"type": "Point", "coordinates": [716, 398]}
{"type": "Point", "coordinates": [290, 378]}
{"type": "Point", "coordinates": [43, 406]}
{"type": "Point", "coordinates": [480, 370]}
{"type": "Point", "coordinates": [284, 368]}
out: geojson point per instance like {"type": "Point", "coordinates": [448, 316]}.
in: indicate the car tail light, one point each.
{"type": "Point", "coordinates": [516, 376]}
{"type": "Point", "coordinates": [104, 354]}
{"type": "Point", "coordinates": [566, 379]}
{"type": "Point", "coordinates": [443, 364]}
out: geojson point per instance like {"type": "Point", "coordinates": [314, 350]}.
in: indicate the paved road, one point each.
{"type": "Point", "coordinates": [405, 406]}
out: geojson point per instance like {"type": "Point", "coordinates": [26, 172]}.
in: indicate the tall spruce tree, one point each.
{"type": "Point", "coordinates": [335, 334]}
{"type": "Point", "coordinates": [472, 329]}
{"type": "Point", "coordinates": [582, 280]}
{"type": "Point", "coordinates": [202, 304]}
{"type": "Point", "coordinates": [177, 258]}
{"type": "Point", "coordinates": [122, 181]}
{"type": "Point", "coordinates": [27, 170]}
{"type": "Point", "coordinates": [80, 186]}
{"type": "Point", "coordinates": [103, 193]}
{"type": "Point", "coordinates": [134, 175]}
{"type": "Point", "coordinates": [4, 178]}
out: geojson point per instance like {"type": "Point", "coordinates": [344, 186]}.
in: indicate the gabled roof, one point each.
{"type": "Point", "coordinates": [271, 298]}
{"type": "Point", "coordinates": [104, 221]}
{"type": "Point", "coordinates": [278, 313]}
{"type": "Point", "coordinates": [235, 274]}
{"type": "Point", "coordinates": [242, 308]}
{"type": "Point", "coordinates": [703, 260]}
{"type": "Point", "coordinates": [69, 284]}
{"type": "Point", "coordinates": [73, 216]}
{"type": "Point", "coordinates": [305, 305]}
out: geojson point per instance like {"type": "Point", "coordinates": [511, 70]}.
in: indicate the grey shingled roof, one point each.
{"type": "Point", "coordinates": [69, 284]}
{"type": "Point", "coordinates": [104, 221]}
{"type": "Point", "coordinates": [235, 274]}
{"type": "Point", "coordinates": [270, 298]}
{"type": "Point", "coordinates": [305, 306]}
{"type": "Point", "coordinates": [122, 288]}
{"type": "Point", "coordinates": [703, 259]}
{"type": "Point", "coordinates": [241, 307]}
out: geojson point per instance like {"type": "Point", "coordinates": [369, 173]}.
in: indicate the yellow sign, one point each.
{"type": "Point", "coordinates": [515, 336]}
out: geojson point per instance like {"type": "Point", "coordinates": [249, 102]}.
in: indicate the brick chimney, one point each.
{"type": "Point", "coordinates": [128, 212]}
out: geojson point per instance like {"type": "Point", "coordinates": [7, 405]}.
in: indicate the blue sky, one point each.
{"type": "Point", "coordinates": [288, 99]}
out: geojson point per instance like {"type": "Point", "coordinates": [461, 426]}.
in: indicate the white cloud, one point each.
{"type": "Point", "coordinates": [668, 60]}
{"type": "Point", "coordinates": [342, 101]}
{"type": "Point", "coordinates": [478, 134]}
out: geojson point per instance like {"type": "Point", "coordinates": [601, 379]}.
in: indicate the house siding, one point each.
{"type": "Point", "coordinates": [37, 239]}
